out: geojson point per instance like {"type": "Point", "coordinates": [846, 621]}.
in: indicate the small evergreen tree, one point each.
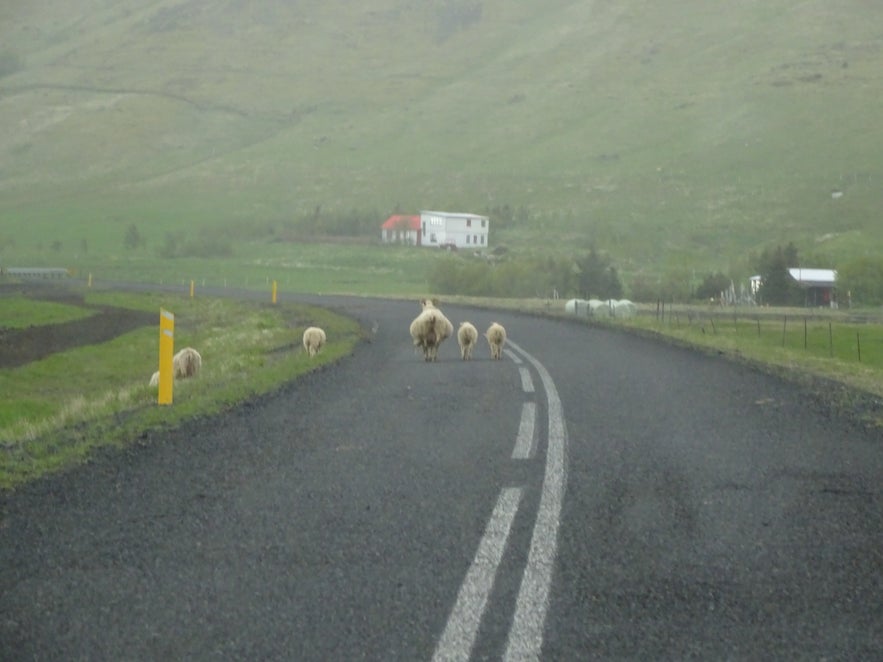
{"type": "Point", "coordinates": [133, 238]}
{"type": "Point", "coordinates": [778, 288]}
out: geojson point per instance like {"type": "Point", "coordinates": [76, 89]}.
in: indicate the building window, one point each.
{"type": "Point", "coordinates": [482, 240]}
{"type": "Point", "coordinates": [467, 238]}
{"type": "Point", "coordinates": [468, 222]}
{"type": "Point", "coordinates": [482, 222]}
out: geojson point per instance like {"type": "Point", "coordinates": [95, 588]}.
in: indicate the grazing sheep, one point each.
{"type": "Point", "coordinates": [314, 340]}
{"type": "Point", "coordinates": [496, 338]}
{"type": "Point", "coordinates": [154, 379]}
{"type": "Point", "coordinates": [467, 336]}
{"type": "Point", "coordinates": [429, 329]}
{"type": "Point", "coordinates": [187, 363]}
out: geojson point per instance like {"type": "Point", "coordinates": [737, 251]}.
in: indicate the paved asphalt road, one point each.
{"type": "Point", "coordinates": [591, 496]}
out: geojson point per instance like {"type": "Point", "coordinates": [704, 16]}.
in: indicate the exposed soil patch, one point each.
{"type": "Point", "coordinates": [21, 346]}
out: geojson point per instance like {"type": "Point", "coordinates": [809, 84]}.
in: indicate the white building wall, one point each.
{"type": "Point", "coordinates": [457, 229]}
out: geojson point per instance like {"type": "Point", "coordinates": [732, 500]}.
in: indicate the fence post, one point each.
{"type": "Point", "coordinates": [858, 344]}
{"type": "Point", "coordinates": [784, 325]}
{"type": "Point", "coordinates": [830, 341]}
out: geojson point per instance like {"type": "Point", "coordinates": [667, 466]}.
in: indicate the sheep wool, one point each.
{"type": "Point", "coordinates": [496, 338]}
{"type": "Point", "coordinates": [467, 335]}
{"type": "Point", "coordinates": [187, 363]}
{"type": "Point", "coordinates": [314, 340]}
{"type": "Point", "coordinates": [429, 329]}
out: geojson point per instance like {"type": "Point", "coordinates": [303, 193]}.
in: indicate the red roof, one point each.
{"type": "Point", "coordinates": [401, 222]}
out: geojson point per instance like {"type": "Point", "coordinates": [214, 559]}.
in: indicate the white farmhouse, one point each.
{"type": "Point", "coordinates": [453, 229]}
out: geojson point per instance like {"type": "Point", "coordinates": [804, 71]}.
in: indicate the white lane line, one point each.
{"type": "Point", "coordinates": [526, 633]}
{"type": "Point", "coordinates": [524, 446]}
{"type": "Point", "coordinates": [526, 381]}
{"type": "Point", "coordinates": [459, 636]}
{"type": "Point", "coordinates": [512, 355]}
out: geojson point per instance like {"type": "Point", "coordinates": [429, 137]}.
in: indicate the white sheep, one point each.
{"type": "Point", "coordinates": [314, 340]}
{"type": "Point", "coordinates": [496, 338]}
{"type": "Point", "coordinates": [429, 329]}
{"type": "Point", "coordinates": [467, 336]}
{"type": "Point", "coordinates": [154, 379]}
{"type": "Point", "coordinates": [187, 363]}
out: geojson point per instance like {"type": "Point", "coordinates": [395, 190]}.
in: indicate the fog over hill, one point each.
{"type": "Point", "coordinates": [660, 131]}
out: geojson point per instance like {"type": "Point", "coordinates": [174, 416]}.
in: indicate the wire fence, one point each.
{"type": "Point", "coordinates": [842, 336]}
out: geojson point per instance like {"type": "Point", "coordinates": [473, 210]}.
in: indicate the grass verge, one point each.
{"type": "Point", "coordinates": [58, 410]}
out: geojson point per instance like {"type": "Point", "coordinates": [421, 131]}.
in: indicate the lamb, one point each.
{"type": "Point", "coordinates": [187, 363]}
{"type": "Point", "coordinates": [429, 329]}
{"type": "Point", "coordinates": [496, 338]}
{"type": "Point", "coordinates": [154, 379]}
{"type": "Point", "coordinates": [314, 340]}
{"type": "Point", "coordinates": [467, 335]}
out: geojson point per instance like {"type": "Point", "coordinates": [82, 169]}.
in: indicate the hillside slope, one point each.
{"type": "Point", "coordinates": [666, 135]}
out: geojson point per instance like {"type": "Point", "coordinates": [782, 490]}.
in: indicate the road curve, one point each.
{"type": "Point", "coordinates": [594, 495]}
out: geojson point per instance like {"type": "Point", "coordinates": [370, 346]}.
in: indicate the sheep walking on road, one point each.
{"type": "Point", "coordinates": [314, 340]}
{"type": "Point", "coordinates": [467, 336]}
{"type": "Point", "coordinates": [429, 329]}
{"type": "Point", "coordinates": [496, 338]}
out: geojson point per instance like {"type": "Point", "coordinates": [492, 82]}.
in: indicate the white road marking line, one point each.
{"type": "Point", "coordinates": [524, 446]}
{"type": "Point", "coordinates": [512, 355]}
{"type": "Point", "coordinates": [526, 381]}
{"type": "Point", "coordinates": [459, 636]}
{"type": "Point", "coordinates": [526, 633]}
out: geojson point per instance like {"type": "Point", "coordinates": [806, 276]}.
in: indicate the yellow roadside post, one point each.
{"type": "Point", "coordinates": [191, 289]}
{"type": "Point", "coordinates": [166, 350]}
{"type": "Point", "coordinates": [90, 279]}
{"type": "Point", "coordinates": [274, 291]}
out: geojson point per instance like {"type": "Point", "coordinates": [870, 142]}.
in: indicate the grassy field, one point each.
{"type": "Point", "coordinates": [57, 410]}
{"type": "Point", "coordinates": [311, 268]}
{"type": "Point", "coordinates": [17, 312]}
{"type": "Point", "coordinates": [671, 135]}
{"type": "Point", "coordinates": [797, 340]}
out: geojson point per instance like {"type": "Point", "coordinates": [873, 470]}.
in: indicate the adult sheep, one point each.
{"type": "Point", "coordinates": [187, 363]}
{"type": "Point", "coordinates": [154, 379]}
{"type": "Point", "coordinates": [314, 340]}
{"type": "Point", "coordinates": [467, 336]}
{"type": "Point", "coordinates": [429, 329]}
{"type": "Point", "coordinates": [496, 338]}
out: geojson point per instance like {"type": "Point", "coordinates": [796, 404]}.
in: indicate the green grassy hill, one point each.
{"type": "Point", "coordinates": [672, 135]}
